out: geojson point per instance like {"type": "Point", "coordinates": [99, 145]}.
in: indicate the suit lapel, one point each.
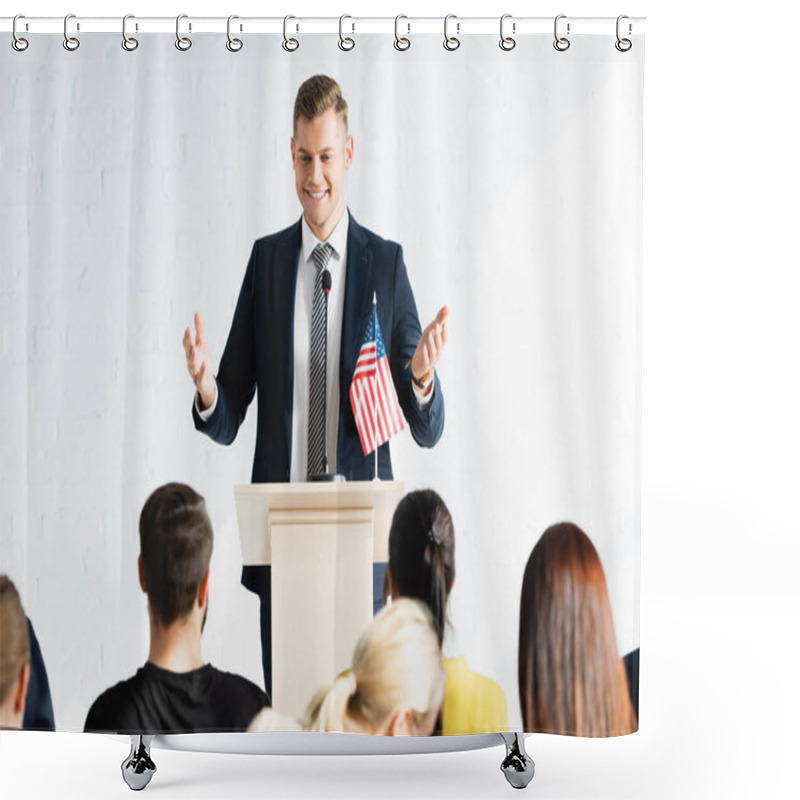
{"type": "Point", "coordinates": [285, 266]}
{"type": "Point", "coordinates": [357, 303]}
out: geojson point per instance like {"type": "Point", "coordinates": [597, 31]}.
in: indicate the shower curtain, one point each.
{"type": "Point", "coordinates": [134, 185]}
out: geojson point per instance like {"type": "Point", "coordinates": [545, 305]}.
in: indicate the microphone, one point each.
{"type": "Point", "coordinates": [325, 475]}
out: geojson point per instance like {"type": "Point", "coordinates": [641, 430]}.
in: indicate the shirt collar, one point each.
{"type": "Point", "coordinates": [337, 240]}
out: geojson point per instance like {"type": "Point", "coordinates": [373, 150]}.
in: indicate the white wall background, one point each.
{"type": "Point", "coordinates": [720, 529]}
{"type": "Point", "coordinates": [136, 184]}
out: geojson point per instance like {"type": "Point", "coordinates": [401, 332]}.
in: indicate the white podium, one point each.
{"type": "Point", "coordinates": [321, 540]}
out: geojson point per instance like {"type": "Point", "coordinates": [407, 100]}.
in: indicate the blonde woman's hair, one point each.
{"type": "Point", "coordinates": [397, 665]}
{"type": "Point", "coordinates": [15, 649]}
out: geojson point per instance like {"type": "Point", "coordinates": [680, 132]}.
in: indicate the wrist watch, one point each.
{"type": "Point", "coordinates": [422, 383]}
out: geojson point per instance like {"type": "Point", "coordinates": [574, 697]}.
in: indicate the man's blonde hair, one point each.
{"type": "Point", "coordinates": [316, 96]}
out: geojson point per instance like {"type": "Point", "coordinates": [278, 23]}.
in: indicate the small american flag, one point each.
{"type": "Point", "coordinates": [372, 394]}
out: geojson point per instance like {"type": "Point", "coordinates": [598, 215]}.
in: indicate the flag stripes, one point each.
{"type": "Point", "coordinates": [372, 393]}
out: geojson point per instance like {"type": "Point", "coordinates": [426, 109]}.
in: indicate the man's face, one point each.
{"type": "Point", "coordinates": [321, 153]}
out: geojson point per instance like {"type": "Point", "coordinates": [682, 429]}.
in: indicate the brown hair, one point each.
{"type": "Point", "coordinates": [422, 553]}
{"type": "Point", "coordinates": [316, 96]}
{"type": "Point", "coordinates": [571, 677]}
{"type": "Point", "coordinates": [397, 665]}
{"type": "Point", "coordinates": [15, 648]}
{"type": "Point", "coordinates": [176, 541]}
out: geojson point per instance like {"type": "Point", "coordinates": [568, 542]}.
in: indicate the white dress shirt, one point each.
{"type": "Point", "coordinates": [303, 306]}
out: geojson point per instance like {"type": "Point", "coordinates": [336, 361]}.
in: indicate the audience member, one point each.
{"type": "Point", "coordinates": [395, 684]}
{"type": "Point", "coordinates": [176, 691]}
{"type": "Point", "coordinates": [422, 566]}
{"type": "Point", "coordinates": [38, 703]}
{"type": "Point", "coordinates": [631, 663]}
{"type": "Point", "coordinates": [15, 655]}
{"type": "Point", "coordinates": [571, 677]}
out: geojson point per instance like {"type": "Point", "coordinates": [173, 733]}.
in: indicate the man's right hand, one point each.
{"type": "Point", "coordinates": [198, 362]}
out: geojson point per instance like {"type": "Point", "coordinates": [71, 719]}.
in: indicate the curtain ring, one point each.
{"type": "Point", "coordinates": [289, 45]}
{"type": "Point", "coordinates": [623, 45]}
{"type": "Point", "coordinates": [234, 45]}
{"type": "Point", "coordinates": [451, 42]}
{"type": "Point", "coordinates": [561, 43]}
{"type": "Point", "coordinates": [345, 42]}
{"type": "Point", "coordinates": [70, 42]}
{"type": "Point", "coordinates": [507, 42]}
{"type": "Point", "coordinates": [129, 43]}
{"type": "Point", "coordinates": [182, 42]}
{"type": "Point", "coordinates": [401, 42]}
{"type": "Point", "coordinates": [18, 43]}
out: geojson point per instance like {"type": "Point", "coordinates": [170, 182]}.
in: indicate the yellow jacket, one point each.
{"type": "Point", "coordinates": [472, 702]}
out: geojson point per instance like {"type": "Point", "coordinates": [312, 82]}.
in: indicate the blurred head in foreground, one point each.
{"type": "Point", "coordinates": [422, 554]}
{"type": "Point", "coordinates": [396, 682]}
{"type": "Point", "coordinates": [176, 540]}
{"type": "Point", "coordinates": [571, 677]}
{"type": "Point", "coordinates": [15, 655]}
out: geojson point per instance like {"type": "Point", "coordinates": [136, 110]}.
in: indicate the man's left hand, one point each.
{"type": "Point", "coordinates": [429, 349]}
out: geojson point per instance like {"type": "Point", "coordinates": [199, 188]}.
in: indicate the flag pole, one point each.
{"type": "Point", "coordinates": [375, 381]}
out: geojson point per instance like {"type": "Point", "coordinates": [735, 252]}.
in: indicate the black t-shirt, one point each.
{"type": "Point", "coordinates": [158, 701]}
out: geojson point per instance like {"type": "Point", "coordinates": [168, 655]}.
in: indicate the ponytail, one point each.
{"type": "Point", "coordinates": [326, 710]}
{"type": "Point", "coordinates": [422, 553]}
{"type": "Point", "coordinates": [437, 583]}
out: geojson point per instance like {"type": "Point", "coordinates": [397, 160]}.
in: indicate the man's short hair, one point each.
{"type": "Point", "coordinates": [176, 540]}
{"type": "Point", "coordinates": [15, 649]}
{"type": "Point", "coordinates": [316, 96]}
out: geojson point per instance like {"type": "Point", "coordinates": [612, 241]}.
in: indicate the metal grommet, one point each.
{"type": "Point", "coordinates": [345, 42]}
{"type": "Point", "coordinates": [289, 44]}
{"type": "Point", "coordinates": [70, 42]}
{"type": "Point", "coordinates": [623, 45]}
{"type": "Point", "coordinates": [561, 43]}
{"type": "Point", "coordinates": [234, 45]}
{"type": "Point", "coordinates": [128, 42]}
{"type": "Point", "coordinates": [183, 43]}
{"type": "Point", "coordinates": [451, 42]}
{"type": "Point", "coordinates": [401, 43]}
{"type": "Point", "coordinates": [18, 43]}
{"type": "Point", "coordinates": [507, 42]}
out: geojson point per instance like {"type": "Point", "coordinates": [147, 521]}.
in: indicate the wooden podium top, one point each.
{"type": "Point", "coordinates": [255, 502]}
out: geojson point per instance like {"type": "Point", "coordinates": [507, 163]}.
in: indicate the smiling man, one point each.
{"type": "Point", "coordinates": [322, 151]}
{"type": "Point", "coordinates": [269, 346]}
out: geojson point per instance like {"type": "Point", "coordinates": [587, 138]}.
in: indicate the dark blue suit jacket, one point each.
{"type": "Point", "coordinates": [259, 353]}
{"type": "Point", "coordinates": [38, 714]}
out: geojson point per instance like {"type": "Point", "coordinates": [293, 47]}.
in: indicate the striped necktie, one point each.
{"type": "Point", "coordinates": [317, 365]}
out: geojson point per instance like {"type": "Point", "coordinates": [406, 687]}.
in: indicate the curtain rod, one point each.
{"type": "Point", "coordinates": [347, 25]}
